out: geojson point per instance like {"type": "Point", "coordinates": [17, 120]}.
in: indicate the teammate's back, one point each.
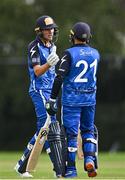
{"type": "Point", "coordinates": [81, 79]}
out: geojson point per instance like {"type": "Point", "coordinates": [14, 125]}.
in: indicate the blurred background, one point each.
{"type": "Point", "coordinates": [17, 22]}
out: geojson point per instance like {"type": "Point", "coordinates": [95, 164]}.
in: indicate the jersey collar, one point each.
{"type": "Point", "coordinates": [81, 45]}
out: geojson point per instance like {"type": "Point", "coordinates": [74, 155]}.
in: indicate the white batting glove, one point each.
{"type": "Point", "coordinates": [54, 49]}
{"type": "Point", "coordinates": [53, 58]}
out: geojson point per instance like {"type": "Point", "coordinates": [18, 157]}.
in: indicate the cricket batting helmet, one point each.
{"type": "Point", "coordinates": [45, 22]}
{"type": "Point", "coordinates": [81, 31]}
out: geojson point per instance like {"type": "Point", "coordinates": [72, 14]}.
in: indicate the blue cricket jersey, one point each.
{"type": "Point", "coordinates": [37, 54]}
{"type": "Point", "coordinates": [79, 85]}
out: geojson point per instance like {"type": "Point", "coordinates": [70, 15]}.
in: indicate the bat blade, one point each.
{"type": "Point", "coordinates": [79, 151]}
{"type": "Point", "coordinates": [38, 146]}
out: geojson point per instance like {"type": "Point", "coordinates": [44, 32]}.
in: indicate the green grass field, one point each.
{"type": "Point", "coordinates": [111, 166]}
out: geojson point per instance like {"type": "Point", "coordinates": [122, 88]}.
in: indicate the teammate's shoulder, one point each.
{"type": "Point", "coordinates": [67, 53]}
{"type": "Point", "coordinates": [95, 51]}
{"type": "Point", "coordinates": [68, 48]}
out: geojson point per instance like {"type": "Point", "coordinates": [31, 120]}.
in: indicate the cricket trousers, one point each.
{"type": "Point", "coordinates": [73, 119]}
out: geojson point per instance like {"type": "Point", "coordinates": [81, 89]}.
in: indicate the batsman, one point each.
{"type": "Point", "coordinates": [77, 74]}
{"type": "Point", "coordinates": [42, 59]}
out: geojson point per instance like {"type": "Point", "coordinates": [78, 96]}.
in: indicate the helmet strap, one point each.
{"type": "Point", "coordinates": [71, 38]}
{"type": "Point", "coordinates": [55, 36]}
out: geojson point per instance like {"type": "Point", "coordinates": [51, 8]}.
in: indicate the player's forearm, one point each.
{"type": "Point", "coordinates": [39, 70]}
{"type": "Point", "coordinates": [61, 74]}
{"type": "Point", "coordinates": [56, 86]}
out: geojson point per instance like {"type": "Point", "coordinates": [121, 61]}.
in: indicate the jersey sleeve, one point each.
{"type": "Point", "coordinates": [64, 65]}
{"type": "Point", "coordinates": [34, 55]}
{"type": "Point", "coordinates": [63, 69]}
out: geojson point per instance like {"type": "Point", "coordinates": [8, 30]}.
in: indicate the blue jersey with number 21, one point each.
{"type": "Point", "coordinates": [79, 87]}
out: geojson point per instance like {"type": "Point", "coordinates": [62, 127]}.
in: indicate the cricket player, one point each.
{"type": "Point", "coordinates": [42, 59]}
{"type": "Point", "coordinates": [77, 76]}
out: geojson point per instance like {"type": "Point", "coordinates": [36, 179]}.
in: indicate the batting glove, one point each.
{"type": "Point", "coordinates": [52, 59]}
{"type": "Point", "coordinates": [51, 107]}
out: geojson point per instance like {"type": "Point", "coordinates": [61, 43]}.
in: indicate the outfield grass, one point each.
{"type": "Point", "coordinates": [111, 166]}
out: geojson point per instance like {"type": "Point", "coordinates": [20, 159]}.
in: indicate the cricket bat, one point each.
{"type": "Point", "coordinates": [79, 148]}
{"type": "Point", "coordinates": [38, 146]}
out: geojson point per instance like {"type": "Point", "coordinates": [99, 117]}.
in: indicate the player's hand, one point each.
{"type": "Point", "coordinates": [53, 58]}
{"type": "Point", "coordinates": [51, 107]}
